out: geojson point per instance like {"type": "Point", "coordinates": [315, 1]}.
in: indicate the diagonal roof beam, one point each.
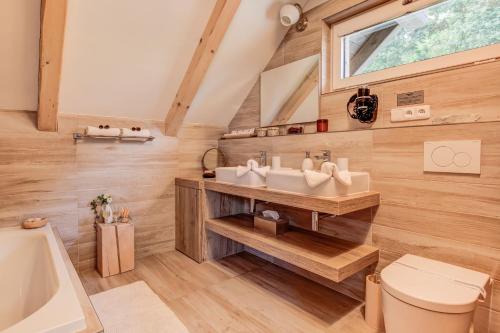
{"type": "Point", "coordinates": [52, 23]}
{"type": "Point", "coordinates": [213, 34]}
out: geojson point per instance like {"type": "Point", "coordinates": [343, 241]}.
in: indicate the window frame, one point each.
{"type": "Point", "coordinates": [383, 13]}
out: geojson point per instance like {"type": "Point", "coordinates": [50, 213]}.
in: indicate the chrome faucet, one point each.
{"type": "Point", "coordinates": [263, 158]}
{"type": "Point", "coordinates": [326, 156]}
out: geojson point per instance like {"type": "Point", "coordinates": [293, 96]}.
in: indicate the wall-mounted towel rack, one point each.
{"type": "Point", "coordinates": [80, 136]}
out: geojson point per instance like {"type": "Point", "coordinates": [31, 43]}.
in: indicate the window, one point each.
{"type": "Point", "coordinates": [397, 40]}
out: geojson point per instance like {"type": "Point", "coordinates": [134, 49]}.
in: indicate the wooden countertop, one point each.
{"type": "Point", "coordinates": [338, 205]}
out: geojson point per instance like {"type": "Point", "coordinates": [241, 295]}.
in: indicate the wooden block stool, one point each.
{"type": "Point", "coordinates": [115, 248]}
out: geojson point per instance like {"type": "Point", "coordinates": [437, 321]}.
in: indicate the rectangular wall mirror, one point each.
{"type": "Point", "coordinates": [289, 94]}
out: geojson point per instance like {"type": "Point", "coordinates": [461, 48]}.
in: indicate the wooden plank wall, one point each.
{"type": "Point", "coordinates": [468, 94]}
{"type": "Point", "coordinates": [45, 173]}
{"type": "Point", "coordinates": [454, 218]}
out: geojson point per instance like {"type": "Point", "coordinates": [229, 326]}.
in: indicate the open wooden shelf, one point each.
{"type": "Point", "coordinates": [329, 257]}
{"type": "Point", "coordinates": [338, 205]}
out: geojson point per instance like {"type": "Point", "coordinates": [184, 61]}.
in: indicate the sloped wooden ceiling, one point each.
{"type": "Point", "coordinates": [127, 59]}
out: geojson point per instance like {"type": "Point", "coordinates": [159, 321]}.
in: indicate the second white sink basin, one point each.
{"type": "Point", "coordinates": [294, 181]}
{"type": "Point", "coordinates": [228, 175]}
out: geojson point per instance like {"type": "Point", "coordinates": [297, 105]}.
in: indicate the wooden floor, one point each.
{"type": "Point", "coordinates": [241, 293]}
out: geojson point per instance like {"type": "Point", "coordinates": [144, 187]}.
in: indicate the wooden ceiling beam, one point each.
{"type": "Point", "coordinates": [213, 34]}
{"type": "Point", "coordinates": [52, 25]}
{"type": "Point", "coordinates": [297, 98]}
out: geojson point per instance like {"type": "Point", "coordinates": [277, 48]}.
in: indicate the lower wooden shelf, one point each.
{"type": "Point", "coordinates": [331, 258]}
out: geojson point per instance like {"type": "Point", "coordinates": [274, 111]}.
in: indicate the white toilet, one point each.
{"type": "Point", "coordinates": [423, 295]}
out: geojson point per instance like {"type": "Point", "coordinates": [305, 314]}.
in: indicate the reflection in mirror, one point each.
{"type": "Point", "coordinates": [444, 28]}
{"type": "Point", "coordinates": [290, 94]}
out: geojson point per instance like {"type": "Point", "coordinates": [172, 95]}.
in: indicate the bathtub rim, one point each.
{"type": "Point", "coordinates": [91, 319]}
{"type": "Point", "coordinates": [66, 271]}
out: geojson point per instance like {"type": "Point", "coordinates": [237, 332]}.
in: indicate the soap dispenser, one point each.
{"type": "Point", "coordinates": [307, 163]}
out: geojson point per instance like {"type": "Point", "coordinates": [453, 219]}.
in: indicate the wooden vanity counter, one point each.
{"type": "Point", "coordinates": [338, 205]}
{"type": "Point", "coordinates": [216, 229]}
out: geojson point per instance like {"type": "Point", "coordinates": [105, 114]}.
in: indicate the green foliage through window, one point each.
{"type": "Point", "coordinates": [447, 27]}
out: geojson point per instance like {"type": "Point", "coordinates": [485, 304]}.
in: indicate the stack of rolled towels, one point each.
{"type": "Point", "coordinates": [96, 131]}
{"type": "Point", "coordinates": [252, 166]}
{"type": "Point", "coordinates": [142, 133]}
{"type": "Point", "coordinates": [117, 132]}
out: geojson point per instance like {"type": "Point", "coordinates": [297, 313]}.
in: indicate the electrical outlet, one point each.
{"type": "Point", "coordinates": [409, 113]}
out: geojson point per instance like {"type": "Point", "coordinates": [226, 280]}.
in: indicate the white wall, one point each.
{"type": "Point", "coordinates": [19, 39]}
{"type": "Point", "coordinates": [127, 58]}
{"type": "Point", "coordinates": [252, 38]}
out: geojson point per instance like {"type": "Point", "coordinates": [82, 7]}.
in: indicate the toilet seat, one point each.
{"type": "Point", "coordinates": [433, 285]}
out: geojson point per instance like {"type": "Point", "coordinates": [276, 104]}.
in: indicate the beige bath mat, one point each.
{"type": "Point", "coordinates": [135, 308]}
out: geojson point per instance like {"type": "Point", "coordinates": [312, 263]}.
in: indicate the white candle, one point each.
{"type": "Point", "coordinates": [343, 163]}
{"type": "Point", "coordinates": [276, 163]}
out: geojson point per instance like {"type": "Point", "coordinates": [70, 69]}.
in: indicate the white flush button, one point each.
{"type": "Point", "coordinates": [463, 156]}
{"type": "Point", "coordinates": [442, 156]}
{"type": "Point", "coordinates": [462, 159]}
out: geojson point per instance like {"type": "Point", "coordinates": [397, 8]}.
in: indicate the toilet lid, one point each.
{"type": "Point", "coordinates": [433, 285]}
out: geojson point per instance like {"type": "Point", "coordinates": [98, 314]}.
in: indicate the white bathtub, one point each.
{"type": "Point", "coordinates": [36, 293]}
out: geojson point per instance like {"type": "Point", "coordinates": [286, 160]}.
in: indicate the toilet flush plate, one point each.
{"type": "Point", "coordinates": [461, 156]}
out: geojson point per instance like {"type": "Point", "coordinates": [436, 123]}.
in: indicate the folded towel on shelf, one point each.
{"type": "Point", "coordinates": [315, 178]}
{"type": "Point", "coordinates": [243, 170]}
{"type": "Point", "coordinates": [262, 171]}
{"type": "Point", "coordinates": [343, 177]}
{"type": "Point", "coordinates": [253, 166]}
{"type": "Point", "coordinates": [328, 170]}
{"type": "Point", "coordinates": [95, 131]}
{"type": "Point", "coordinates": [143, 133]}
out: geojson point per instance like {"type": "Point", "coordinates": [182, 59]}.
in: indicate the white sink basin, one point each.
{"type": "Point", "coordinates": [228, 175]}
{"type": "Point", "coordinates": [294, 181]}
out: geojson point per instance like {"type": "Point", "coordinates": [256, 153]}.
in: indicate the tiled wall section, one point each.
{"type": "Point", "coordinates": [46, 174]}
{"type": "Point", "coordinates": [449, 217]}
{"type": "Point", "coordinates": [455, 218]}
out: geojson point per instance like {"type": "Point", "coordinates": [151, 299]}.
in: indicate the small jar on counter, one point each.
{"type": "Point", "coordinates": [322, 125]}
{"type": "Point", "coordinates": [273, 131]}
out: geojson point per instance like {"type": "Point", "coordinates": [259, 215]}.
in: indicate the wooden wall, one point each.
{"type": "Point", "coordinates": [462, 95]}
{"type": "Point", "coordinates": [454, 218]}
{"type": "Point", "coordinates": [47, 174]}
{"type": "Point", "coordinates": [449, 217]}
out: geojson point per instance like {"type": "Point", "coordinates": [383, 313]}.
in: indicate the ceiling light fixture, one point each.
{"type": "Point", "coordinates": [293, 14]}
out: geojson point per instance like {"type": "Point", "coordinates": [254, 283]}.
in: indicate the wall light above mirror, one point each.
{"type": "Point", "coordinates": [290, 94]}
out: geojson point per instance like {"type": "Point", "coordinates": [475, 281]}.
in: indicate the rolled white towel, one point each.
{"type": "Point", "coordinates": [143, 133]}
{"type": "Point", "coordinates": [252, 166]}
{"type": "Point", "coordinates": [314, 178]}
{"type": "Point", "coordinates": [243, 170]}
{"type": "Point", "coordinates": [95, 131]}
{"type": "Point", "coordinates": [262, 171]}
{"type": "Point", "coordinates": [331, 169]}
